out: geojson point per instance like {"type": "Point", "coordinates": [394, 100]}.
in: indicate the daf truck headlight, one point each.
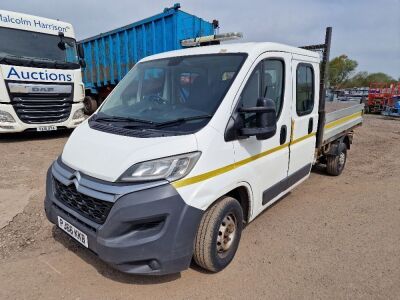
{"type": "Point", "coordinates": [6, 117]}
{"type": "Point", "coordinates": [170, 168]}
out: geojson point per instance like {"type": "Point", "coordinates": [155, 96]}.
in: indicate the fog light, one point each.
{"type": "Point", "coordinates": [78, 114]}
{"type": "Point", "coordinates": [6, 117]}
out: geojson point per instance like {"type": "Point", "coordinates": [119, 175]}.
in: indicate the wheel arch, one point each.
{"type": "Point", "coordinates": [243, 194]}
{"type": "Point", "coordinates": [347, 141]}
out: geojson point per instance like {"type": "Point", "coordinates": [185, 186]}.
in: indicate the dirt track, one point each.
{"type": "Point", "coordinates": [332, 237]}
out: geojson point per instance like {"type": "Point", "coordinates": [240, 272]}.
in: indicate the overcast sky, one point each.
{"type": "Point", "coordinates": [366, 30]}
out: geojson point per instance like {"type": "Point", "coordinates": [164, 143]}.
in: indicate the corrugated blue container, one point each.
{"type": "Point", "coordinates": [109, 56]}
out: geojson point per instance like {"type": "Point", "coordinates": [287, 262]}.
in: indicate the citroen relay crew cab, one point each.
{"type": "Point", "coordinates": [191, 146]}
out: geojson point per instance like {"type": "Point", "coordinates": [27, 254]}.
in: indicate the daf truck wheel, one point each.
{"type": "Point", "coordinates": [90, 105]}
{"type": "Point", "coordinates": [336, 163]}
{"type": "Point", "coordinates": [218, 235]}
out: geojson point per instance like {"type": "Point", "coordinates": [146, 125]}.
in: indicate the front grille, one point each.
{"type": "Point", "coordinates": [75, 218]}
{"type": "Point", "coordinates": [42, 108]}
{"type": "Point", "coordinates": [89, 207]}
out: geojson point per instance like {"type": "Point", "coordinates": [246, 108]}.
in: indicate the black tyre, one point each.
{"type": "Point", "coordinates": [218, 235]}
{"type": "Point", "coordinates": [335, 163]}
{"type": "Point", "coordinates": [90, 105]}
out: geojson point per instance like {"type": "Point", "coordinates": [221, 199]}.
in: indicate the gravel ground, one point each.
{"type": "Point", "coordinates": [332, 237]}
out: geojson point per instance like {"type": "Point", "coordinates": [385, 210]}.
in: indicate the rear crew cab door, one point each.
{"type": "Point", "coordinates": [264, 163]}
{"type": "Point", "coordinates": [304, 117]}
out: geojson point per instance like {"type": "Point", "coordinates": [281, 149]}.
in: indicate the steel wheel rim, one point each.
{"type": "Point", "coordinates": [226, 234]}
{"type": "Point", "coordinates": [342, 159]}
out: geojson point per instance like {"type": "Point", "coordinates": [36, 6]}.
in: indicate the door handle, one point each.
{"type": "Point", "coordinates": [283, 135]}
{"type": "Point", "coordinates": [310, 125]}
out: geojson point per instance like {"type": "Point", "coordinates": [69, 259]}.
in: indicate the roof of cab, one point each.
{"type": "Point", "coordinates": [17, 20]}
{"type": "Point", "coordinates": [252, 49]}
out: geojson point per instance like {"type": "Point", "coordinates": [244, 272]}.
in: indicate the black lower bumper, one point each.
{"type": "Point", "coordinates": [150, 231]}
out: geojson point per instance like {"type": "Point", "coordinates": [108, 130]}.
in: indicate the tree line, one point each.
{"type": "Point", "coordinates": [341, 74]}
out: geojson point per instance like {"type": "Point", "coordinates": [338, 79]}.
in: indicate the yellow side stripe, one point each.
{"type": "Point", "coordinates": [225, 169]}
{"type": "Point", "coordinates": [303, 138]}
{"type": "Point", "coordinates": [343, 120]}
{"type": "Point", "coordinates": [222, 170]}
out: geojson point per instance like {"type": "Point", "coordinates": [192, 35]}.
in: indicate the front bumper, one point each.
{"type": "Point", "coordinates": [147, 231]}
{"type": "Point", "coordinates": [19, 126]}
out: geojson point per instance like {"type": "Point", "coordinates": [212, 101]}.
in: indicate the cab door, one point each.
{"type": "Point", "coordinates": [304, 118]}
{"type": "Point", "coordinates": [264, 163]}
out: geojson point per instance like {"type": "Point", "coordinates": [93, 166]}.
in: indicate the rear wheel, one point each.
{"type": "Point", "coordinates": [335, 163]}
{"type": "Point", "coordinates": [218, 235]}
{"type": "Point", "coordinates": [90, 105]}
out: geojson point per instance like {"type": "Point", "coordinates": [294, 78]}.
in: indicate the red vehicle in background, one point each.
{"type": "Point", "coordinates": [392, 108]}
{"type": "Point", "coordinates": [380, 95]}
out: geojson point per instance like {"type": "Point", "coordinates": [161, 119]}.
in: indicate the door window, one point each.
{"type": "Point", "coordinates": [267, 80]}
{"type": "Point", "coordinates": [273, 82]}
{"type": "Point", "coordinates": [304, 89]}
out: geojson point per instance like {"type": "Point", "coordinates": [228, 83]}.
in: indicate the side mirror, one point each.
{"type": "Point", "coordinates": [265, 114]}
{"type": "Point", "coordinates": [62, 45]}
{"type": "Point", "coordinates": [81, 54]}
{"type": "Point", "coordinates": [82, 63]}
{"type": "Point", "coordinates": [81, 51]}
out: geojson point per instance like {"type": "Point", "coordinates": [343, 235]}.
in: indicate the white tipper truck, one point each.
{"type": "Point", "coordinates": [41, 85]}
{"type": "Point", "coordinates": [190, 147]}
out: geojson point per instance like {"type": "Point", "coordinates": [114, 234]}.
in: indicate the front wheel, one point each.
{"type": "Point", "coordinates": [90, 105]}
{"type": "Point", "coordinates": [218, 235]}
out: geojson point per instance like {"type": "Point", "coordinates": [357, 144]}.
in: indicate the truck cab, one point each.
{"type": "Point", "coordinates": [41, 85]}
{"type": "Point", "coordinates": [189, 147]}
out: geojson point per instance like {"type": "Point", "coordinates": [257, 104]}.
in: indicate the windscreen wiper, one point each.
{"type": "Point", "coordinates": [35, 61]}
{"type": "Point", "coordinates": [122, 119]}
{"type": "Point", "coordinates": [5, 57]}
{"type": "Point", "coordinates": [182, 120]}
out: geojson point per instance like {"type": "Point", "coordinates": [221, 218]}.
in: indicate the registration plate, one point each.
{"type": "Point", "coordinates": [73, 231]}
{"type": "Point", "coordinates": [46, 128]}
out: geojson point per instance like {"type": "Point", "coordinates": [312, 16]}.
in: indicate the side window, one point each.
{"type": "Point", "coordinates": [273, 82]}
{"type": "Point", "coordinates": [304, 89]}
{"type": "Point", "coordinates": [250, 95]}
{"type": "Point", "coordinates": [267, 80]}
{"type": "Point", "coordinates": [251, 91]}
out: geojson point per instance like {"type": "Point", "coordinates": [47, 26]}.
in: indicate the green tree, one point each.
{"type": "Point", "coordinates": [340, 69]}
{"type": "Point", "coordinates": [380, 77]}
{"type": "Point", "coordinates": [358, 80]}
{"type": "Point", "coordinates": [363, 79]}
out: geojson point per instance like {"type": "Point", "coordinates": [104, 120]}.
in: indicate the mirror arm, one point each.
{"type": "Point", "coordinates": [257, 109]}
{"type": "Point", "coordinates": [254, 131]}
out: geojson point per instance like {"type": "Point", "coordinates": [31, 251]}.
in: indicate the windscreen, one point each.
{"type": "Point", "coordinates": [28, 44]}
{"type": "Point", "coordinates": [188, 88]}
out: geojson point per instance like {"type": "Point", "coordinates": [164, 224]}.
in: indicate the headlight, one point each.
{"type": "Point", "coordinates": [6, 117]}
{"type": "Point", "coordinates": [170, 168]}
{"type": "Point", "coordinates": [78, 114]}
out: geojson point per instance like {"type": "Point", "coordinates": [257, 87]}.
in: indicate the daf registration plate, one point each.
{"type": "Point", "coordinates": [47, 128]}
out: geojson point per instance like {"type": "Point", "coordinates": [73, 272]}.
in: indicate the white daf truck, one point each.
{"type": "Point", "coordinates": [191, 146]}
{"type": "Point", "coordinates": [41, 85]}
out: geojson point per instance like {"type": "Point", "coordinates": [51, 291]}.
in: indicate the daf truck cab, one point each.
{"type": "Point", "coordinates": [41, 85]}
{"type": "Point", "coordinates": [191, 146]}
